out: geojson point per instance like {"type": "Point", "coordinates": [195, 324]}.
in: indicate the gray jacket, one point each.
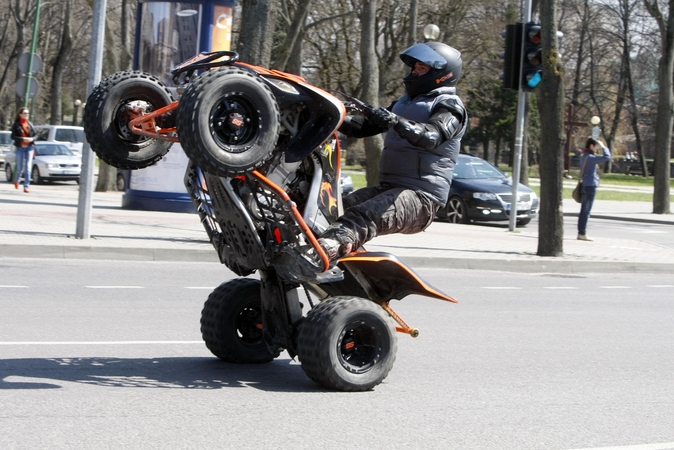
{"type": "Point", "coordinates": [430, 171]}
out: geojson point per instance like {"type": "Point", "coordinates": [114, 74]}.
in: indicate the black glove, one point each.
{"type": "Point", "coordinates": [382, 117]}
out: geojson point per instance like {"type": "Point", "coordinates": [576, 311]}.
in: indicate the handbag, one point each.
{"type": "Point", "coordinates": [577, 193]}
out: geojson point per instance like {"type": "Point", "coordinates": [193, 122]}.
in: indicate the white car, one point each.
{"type": "Point", "coordinates": [6, 145]}
{"type": "Point", "coordinates": [53, 162]}
{"type": "Point", "coordinates": [69, 135]}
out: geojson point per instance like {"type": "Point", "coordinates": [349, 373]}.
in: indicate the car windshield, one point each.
{"type": "Point", "coordinates": [476, 169]}
{"type": "Point", "coordinates": [52, 149]}
{"type": "Point", "coordinates": [5, 138]}
{"type": "Point", "coordinates": [69, 135]}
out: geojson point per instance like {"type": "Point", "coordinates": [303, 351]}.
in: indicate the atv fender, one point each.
{"type": "Point", "coordinates": [380, 277]}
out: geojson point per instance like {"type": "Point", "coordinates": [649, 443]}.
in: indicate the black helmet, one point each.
{"type": "Point", "coordinates": [445, 63]}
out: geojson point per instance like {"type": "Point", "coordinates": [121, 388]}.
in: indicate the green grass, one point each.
{"type": "Point", "coordinates": [358, 175]}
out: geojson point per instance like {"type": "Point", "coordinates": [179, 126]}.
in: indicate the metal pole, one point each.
{"type": "Point", "coordinates": [88, 160]}
{"type": "Point", "coordinates": [33, 48]}
{"type": "Point", "coordinates": [519, 129]}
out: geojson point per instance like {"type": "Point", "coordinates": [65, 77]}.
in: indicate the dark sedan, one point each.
{"type": "Point", "coordinates": [481, 192]}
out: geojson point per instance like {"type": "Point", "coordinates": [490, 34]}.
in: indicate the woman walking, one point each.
{"type": "Point", "coordinates": [590, 181]}
{"type": "Point", "coordinates": [23, 135]}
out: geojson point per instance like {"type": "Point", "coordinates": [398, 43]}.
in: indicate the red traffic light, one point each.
{"type": "Point", "coordinates": [534, 33]}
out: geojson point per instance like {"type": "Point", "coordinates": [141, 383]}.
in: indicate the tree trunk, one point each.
{"type": "Point", "coordinates": [293, 40]}
{"type": "Point", "coordinates": [59, 65]}
{"type": "Point", "coordinates": [370, 67]}
{"type": "Point", "coordinates": [257, 28]}
{"type": "Point", "coordinates": [663, 124]}
{"type": "Point", "coordinates": [551, 108]}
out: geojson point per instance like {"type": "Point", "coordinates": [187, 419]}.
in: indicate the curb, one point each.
{"type": "Point", "coordinates": [539, 265]}
{"type": "Point", "coordinates": [624, 218]}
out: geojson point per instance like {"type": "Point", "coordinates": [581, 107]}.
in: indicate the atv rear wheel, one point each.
{"type": "Point", "coordinates": [231, 323]}
{"type": "Point", "coordinates": [228, 121]}
{"type": "Point", "coordinates": [109, 109]}
{"type": "Point", "coordinates": [347, 344]}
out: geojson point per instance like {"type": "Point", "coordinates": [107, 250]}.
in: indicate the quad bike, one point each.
{"type": "Point", "coordinates": [264, 177]}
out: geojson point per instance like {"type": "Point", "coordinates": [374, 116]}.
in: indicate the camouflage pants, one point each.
{"type": "Point", "coordinates": [380, 210]}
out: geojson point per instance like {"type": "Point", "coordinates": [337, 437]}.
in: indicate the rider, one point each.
{"type": "Point", "coordinates": [423, 133]}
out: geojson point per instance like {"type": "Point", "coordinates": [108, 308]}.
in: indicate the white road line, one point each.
{"type": "Point", "coordinates": [502, 288]}
{"type": "Point", "coordinates": [102, 343]}
{"type": "Point", "coordinates": [663, 446]}
{"type": "Point", "coordinates": [115, 287]}
{"type": "Point", "coordinates": [9, 286]}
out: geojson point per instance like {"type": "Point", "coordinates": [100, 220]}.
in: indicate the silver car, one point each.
{"type": "Point", "coordinates": [53, 161]}
{"type": "Point", "coordinates": [6, 145]}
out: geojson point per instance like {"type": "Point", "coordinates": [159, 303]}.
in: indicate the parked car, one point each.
{"type": "Point", "coordinates": [69, 135]}
{"type": "Point", "coordinates": [53, 161]}
{"type": "Point", "coordinates": [481, 192]}
{"type": "Point", "coordinates": [6, 145]}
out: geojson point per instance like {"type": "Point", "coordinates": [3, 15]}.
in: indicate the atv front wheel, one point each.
{"type": "Point", "coordinates": [347, 344]}
{"type": "Point", "coordinates": [231, 323]}
{"type": "Point", "coordinates": [228, 121]}
{"type": "Point", "coordinates": [109, 109]}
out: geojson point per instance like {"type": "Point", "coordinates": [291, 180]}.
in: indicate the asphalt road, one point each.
{"type": "Point", "coordinates": [108, 354]}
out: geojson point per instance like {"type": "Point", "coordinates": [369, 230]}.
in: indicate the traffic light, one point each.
{"type": "Point", "coordinates": [512, 56]}
{"type": "Point", "coordinates": [532, 60]}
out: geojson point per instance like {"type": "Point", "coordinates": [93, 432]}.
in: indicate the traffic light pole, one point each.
{"type": "Point", "coordinates": [522, 98]}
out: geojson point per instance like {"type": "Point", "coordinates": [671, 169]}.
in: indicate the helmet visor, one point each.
{"type": "Point", "coordinates": [423, 53]}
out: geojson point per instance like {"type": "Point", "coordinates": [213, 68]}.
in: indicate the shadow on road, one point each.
{"type": "Point", "coordinates": [164, 373]}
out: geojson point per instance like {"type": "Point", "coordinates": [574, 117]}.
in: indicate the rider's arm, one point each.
{"type": "Point", "coordinates": [446, 121]}
{"type": "Point", "coordinates": [359, 127]}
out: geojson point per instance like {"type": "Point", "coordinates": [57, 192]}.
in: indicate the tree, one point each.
{"type": "Point", "coordinates": [663, 124]}
{"type": "Point", "coordinates": [550, 95]}
{"type": "Point", "coordinates": [257, 27]}
{"type": "Point", "coordinates": [370, 68]}
{"type": "Point", "coordinates": [59, 64]}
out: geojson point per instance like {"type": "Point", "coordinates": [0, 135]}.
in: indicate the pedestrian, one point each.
{"type": "Point", "coordinates": [421, 146]}
{"type": "Point", "coordinates": [23, 135]}
{"type": "Point", "coordinates": [589, 181]}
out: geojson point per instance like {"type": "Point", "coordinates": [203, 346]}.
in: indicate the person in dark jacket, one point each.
{"type": "Point", "coordinates": [590, 182]}
{"type": "Point", "coordinates": [423, 133]}
{"type": "Point", "coordinates": [23, 135]}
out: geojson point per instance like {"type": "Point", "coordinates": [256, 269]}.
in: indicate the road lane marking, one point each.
{"type": "Point", "coordinates": [663, 446]}
{"type": "Point", "coordinates": [505, 288]}
{"type": "Point", "coordinates": [100, 342]}
{"type": "Point", "coordinates": [11, 286]}
{"type": "Point", "coordinates": [115, 287]}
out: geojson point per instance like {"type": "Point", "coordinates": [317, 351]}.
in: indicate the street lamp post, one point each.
{"type": "Point", "coordinates": [431, 32]}
{"type": "Point", "coordinates": [595, 121]}
{"type": "Point", "coordinates": [77, 105]}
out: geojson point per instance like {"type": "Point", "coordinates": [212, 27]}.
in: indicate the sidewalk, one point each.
{"type": "Point", "coordinates": [42, 224]}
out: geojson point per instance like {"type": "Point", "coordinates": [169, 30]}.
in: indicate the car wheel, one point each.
{"type": "Point", "coordinates": [347, 344]}
{"type": "Point", "coordinates": [523, 222]}
{"type": "Point", "coordinates": [457, 212]}
{"type": "Point", "coordinates": [109, 109]}
{"type": "Point", "coordinates": [9, 173]}
{"type": "Point", "coordinates": [231, 323]}
{"type": "Point", "coordinates": [35, 176]}
{"type": "Point", "coordinates": [228, 122]}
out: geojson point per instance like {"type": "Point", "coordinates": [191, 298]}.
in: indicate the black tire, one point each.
{"type": "Point", "coordinates": [456, 210]}
{"type": "Point", "coordinates": [9, 173]}
{"type": "Point", "coordinates": [35, 176]}
{"type": "Point", "coordinates": [523, 222]}
{"type": "Point", "coordinates": [228, 121]}
{"type": "Point", "coordinates": [231, 323]}
{"type": "Point", "coordinates": [347, 344]}
{"type": "Point", "coordinates": [107, 116]}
